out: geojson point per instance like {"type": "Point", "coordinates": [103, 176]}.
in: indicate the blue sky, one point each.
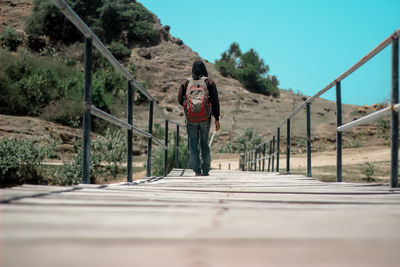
{"type": "Point", "coordinates": [307, 44]}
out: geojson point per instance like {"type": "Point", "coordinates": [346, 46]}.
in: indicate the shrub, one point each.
{"type": "Point", "coordinates": [10, 39]}
{"type": "Point", "coordinates": [20, 161]}
{"type": "Point", "coordinates": [248, 140]}
{"type": "Point", "coordinates": [29, 84]}
{"type": "Point", "coordinates": [367, 169]}
{"type": "Point", "coordinates": [107, 155]}
{"type": "Point", "coordinates": [119, 51]}
{"type": "Point", "coordinates": [111, 149]}
{"type": "Point", "coordinates": [158, 161]}
{"type": "Point", "coordinates": [52, 89]}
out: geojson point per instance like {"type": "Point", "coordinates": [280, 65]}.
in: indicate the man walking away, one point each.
{"type": "Point", "coordinates": [199, 97]}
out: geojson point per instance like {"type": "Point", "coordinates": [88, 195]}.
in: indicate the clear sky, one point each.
{"type": "Point", "coordinates": [307, 44]}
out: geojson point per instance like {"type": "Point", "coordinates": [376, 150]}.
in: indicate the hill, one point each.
{"type": "Point", "coordinates": [163, 66]}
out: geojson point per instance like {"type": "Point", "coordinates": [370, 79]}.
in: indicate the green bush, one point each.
{"type": "Point", "coordinates": [20, 161]}
{"type": "Point", "coordinates": [158, 160]}
{"type": "Point", "coordinates": [108, 153]}
{"type": "Point", "coordinates": [112, 150]}
{"type": "Point", "coordinates": [246, 141]}
{"type": "Point", "coordinates": [140, 98]}
{"type": "Point", "coordinates": [10, 39]}
{"type": "Point", "coordinates": [52, 89]}
{"type": "Point", "coordinates": [119, 51]}
{"type": "Point", "coordinates": [249, 69]}
{"type": "Point", "coordinates": [29, 84]}
{"type": "Point", "coordinates": [367, 169]}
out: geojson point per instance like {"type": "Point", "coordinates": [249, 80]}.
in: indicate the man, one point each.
{"type": "Point", "coordinates": [199, 97]}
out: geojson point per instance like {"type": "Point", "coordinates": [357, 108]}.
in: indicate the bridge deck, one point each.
{"type": "Point", "coordinates": [227, 219]}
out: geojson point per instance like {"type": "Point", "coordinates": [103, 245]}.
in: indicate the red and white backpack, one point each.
{"type": "Point", "coordinates": [197, 105]}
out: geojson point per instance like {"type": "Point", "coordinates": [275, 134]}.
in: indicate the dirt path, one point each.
{"type": "Point", "coordinates": [326, 158]}
{"type": "Point", "coordinates": [350, 156]}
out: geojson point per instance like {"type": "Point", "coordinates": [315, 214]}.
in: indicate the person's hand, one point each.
{"type": "Point", "coordinates": [217, 125]}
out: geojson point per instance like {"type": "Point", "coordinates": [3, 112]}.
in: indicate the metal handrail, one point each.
{"type": "Point", "coordinates": [393, 109]}
{"type": "Point", "coordinates": [250, 159]}
{"type": "Point", "coordinates": [88, 33]}
{"type": "Point", "coordinates": [370, 117]}
{"type": "Point", "coordinates": [356, 66]}
{"type": "Point", "coordinates": [92, 39]}
{"type": "Point", "coordinates": [105, 116]}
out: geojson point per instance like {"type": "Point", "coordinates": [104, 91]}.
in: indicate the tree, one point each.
{"type": "Point", "coordinates": [114, 20]}
{"type": "Point", "coordinates": [249, 69]}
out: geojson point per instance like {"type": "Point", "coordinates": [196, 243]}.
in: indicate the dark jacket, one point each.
{"type": "Point", "coordinates": [199, 70]}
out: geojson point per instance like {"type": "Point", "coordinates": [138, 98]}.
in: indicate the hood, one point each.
{"type": "Point", "coordinates": [199, 69]}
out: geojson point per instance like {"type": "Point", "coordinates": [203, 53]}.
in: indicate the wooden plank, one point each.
{"type": "Point", "coordinates": [230, 218]}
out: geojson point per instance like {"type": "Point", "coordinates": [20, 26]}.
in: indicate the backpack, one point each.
{"type": "Point", "coordinates": [197, 106]}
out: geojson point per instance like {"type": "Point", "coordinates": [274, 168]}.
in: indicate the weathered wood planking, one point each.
{"type": "Point", "coordinates": [230, 218]}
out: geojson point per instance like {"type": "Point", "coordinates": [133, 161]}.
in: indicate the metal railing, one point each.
{"type": "Point", "coordinates": [255, 159]}
{"type": "Point", "coordinates": [88, 109]}
{"type": "Point", "coordinates": [252, 157]}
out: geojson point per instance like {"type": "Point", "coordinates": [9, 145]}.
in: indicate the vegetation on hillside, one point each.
{"type": "Point", "coordinates": [21, 160]}
{"type": "Point", "coordinates": [10, 39]}
{"type": "Point", "coordinates": [244, 142]}
{"type": "Point", "coordinates": [249, 69]}
{"type": "Point", "coordinates": [123, 21]}
{"type": "Point", "coordinates": [159, 156]}
{"type": "Point", "coordinates": [51, 88]}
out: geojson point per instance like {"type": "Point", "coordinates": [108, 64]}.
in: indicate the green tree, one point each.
{"type": "Point", "coordinates": [115, 20]}
{"type": "Point", "coordinates": [47, 20]}
{"type": "Point", "coordinates": [249, 69]}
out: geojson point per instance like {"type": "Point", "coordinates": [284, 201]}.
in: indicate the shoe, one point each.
{"type": "Point", "coordinates": [206, 174]}
{"type": "Point", "coordinates": [199, 174]}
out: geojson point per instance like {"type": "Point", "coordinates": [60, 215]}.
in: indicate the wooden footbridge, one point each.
{"type": "Point", "coordinates": [230, 218]}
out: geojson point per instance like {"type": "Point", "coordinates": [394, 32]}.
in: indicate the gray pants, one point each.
{"type": "Point", "coordinates": [198, 134]}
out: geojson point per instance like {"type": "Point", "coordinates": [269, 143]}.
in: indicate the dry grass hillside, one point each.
{"type": "Point", "coordinates": [164, 66]}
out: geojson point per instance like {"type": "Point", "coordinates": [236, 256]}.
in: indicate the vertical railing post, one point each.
{"type": "Point", "coordinates": [264, 149]}
{"type": "Point", "coordinates": [273, 152]}
{"type": "Point", "coordinates": [130, 133]}
{"type": "Point", "coordinates": [338, 134]}
{"type": "Point", "coordinates": [288, 145]}
{"type": "Point", "coordinates": [308, 139]}
{"type": "Point", "coordinates": [248, 161]}
{"type": "Point", "coordinates": [149, 140]}
{"type": "Point", "coordinates": [86, 111]}
{"type": "Point", "coordinates": [394, 127]}
{"type": "Point", "coordinates": [269, 155]}
{"type": "Point", "coordinates": [252, 161]}
{"type": "Point", "coordinates": [245, 161]}
{"type": "Point", "coordinates": [255, 159]}
{"type": "Point", "coordinates": [278, 142]}
{"type": "Point", "coordinates": [259, 158]}
{"type": "Point", "coordinates": [177, 147]}
{"type": "Point", "coordinates": [166, 150]}
{"type": "Point", "coordinates": [188, 165]}
{"type": "Point", "coordinates": [241, 162]}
